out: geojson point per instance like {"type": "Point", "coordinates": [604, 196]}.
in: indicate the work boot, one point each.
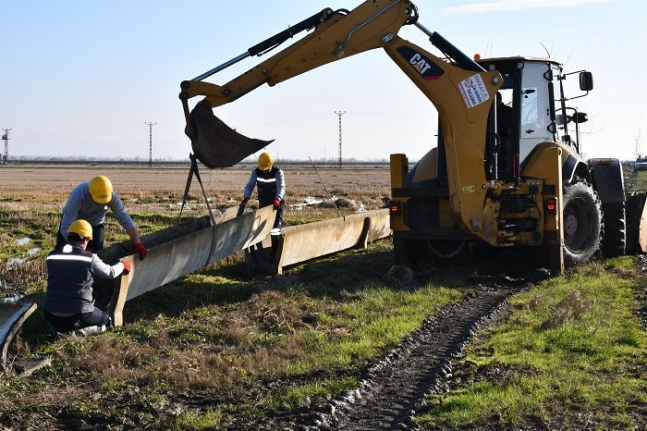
{"type": "Point", "coordinates": [274, 236]}
{"type": "Point", "coordinates": [91, 330]}
{"type": "Point", "coordinates": [53, 331]}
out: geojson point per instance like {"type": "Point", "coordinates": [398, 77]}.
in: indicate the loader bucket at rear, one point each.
{"type": "Point", "coordinates": [214, 143]}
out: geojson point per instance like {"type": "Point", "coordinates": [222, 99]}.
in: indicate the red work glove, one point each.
{"type": "Point", "coordinates": [245, 200]}
{"type": "Point", "coordinates": [126, 267]}
{"type": "Point", "coordinates": [139, 248]}
{"type": "Point", "coordinates": [277, 203]}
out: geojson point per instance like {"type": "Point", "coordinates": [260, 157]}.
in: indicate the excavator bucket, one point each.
{"type": "Point", "coordinates": [214, 143]}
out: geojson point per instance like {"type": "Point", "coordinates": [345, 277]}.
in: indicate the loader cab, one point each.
{"type": "Point", "coordinates": [528, 94]}
{"type": "Point", "coordinates": [535, 89]}
{"type": "Point", "coordinates": [528, 89]}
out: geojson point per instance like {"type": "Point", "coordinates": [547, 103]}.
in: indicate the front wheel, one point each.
{"type": "Point", "coordinates": [582, 223]}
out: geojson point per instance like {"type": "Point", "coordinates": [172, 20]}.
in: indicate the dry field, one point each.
{"type": "Point", "coordinates": [46, 187]}
{"type": "Point", "coordinates": [32, 197]}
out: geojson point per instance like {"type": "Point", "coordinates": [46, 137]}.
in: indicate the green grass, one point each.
{"type": "Point", "coordinates": [572, 345]}
{"type": "Point", "coordinates": [195, 421]}
{"type": "Point", "coordinates": [212, 334]}
{"type": "Point", "coordinates": [637, 181]}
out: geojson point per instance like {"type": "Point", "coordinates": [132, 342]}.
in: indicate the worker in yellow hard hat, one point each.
{"type": "Point", "coordinates": [269, 180]}
{"type": "Point", "coordinates": [69, 302]}
{"type": "Point", "coordinates": [90, 201]}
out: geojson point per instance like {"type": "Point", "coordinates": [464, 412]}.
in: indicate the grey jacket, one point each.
{"type": "Point", "coordinates": [80, 205]}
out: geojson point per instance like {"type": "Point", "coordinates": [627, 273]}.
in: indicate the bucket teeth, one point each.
{"type": "Point", "coordinates": [214, 143]}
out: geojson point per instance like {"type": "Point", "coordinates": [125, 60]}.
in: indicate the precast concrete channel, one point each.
{"type": "Point", "coordinates": [391, 390]}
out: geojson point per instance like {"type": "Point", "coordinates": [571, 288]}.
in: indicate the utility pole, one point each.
{"type": "Point", "coordinates": [5, 137]}
{"type": "Point", "coordinates": [150, 155]}
{"type": "Point", "coordinates": [638, 149]}
{"type": "Point", "coordinates": [340, 113]}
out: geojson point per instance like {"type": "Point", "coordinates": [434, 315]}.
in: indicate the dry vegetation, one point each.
{"type": "Point", "coordinates": [158, 190]}
{"type": "Point", "coordinates": [169, 343]}
{"type": "Point", "coordinates": [33, 196]}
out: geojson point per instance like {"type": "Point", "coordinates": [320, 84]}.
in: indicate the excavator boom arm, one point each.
{"type": "Point", "coordinates": [336, 35]}
{"type": "Point", "coordinates": [272, 42]}
{"type": "Point", "coordinates": [463, 97]}
{"type": "Point", "coordinates": [461, 92]}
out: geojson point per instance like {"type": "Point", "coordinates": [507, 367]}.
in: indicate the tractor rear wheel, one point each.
{"type": "Point", "coordinates": [582, 223]}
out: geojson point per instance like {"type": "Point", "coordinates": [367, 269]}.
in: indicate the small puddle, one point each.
{"type": "Point", "coordinates": [12, 299]}
{"type": "Point", "coordinates": [312, 200]}
{"type": "Point", "coordinates": [23, 241]}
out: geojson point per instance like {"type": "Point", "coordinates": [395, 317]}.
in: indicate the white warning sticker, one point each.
{"type": "Point", "coordinates": [473, 91]}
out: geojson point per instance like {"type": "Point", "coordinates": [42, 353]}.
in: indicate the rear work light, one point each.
{"type": "Point", "coordinates": [394, 207]}
{"type": "Point", "coordinates": [551, 206]}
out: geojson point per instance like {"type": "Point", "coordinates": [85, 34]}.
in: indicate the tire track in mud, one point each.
{"type": "Point", "coordinates": [390, 391]}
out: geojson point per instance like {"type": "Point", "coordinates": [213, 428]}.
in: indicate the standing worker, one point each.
{"type": "Point", "coordinates": [69, 303]}
{"type": "Point", "coordinates": [90, 201]}
{"type": "Point", "coordinates": [270, 183]}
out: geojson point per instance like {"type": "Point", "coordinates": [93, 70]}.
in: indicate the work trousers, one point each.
{"type": "Point", "coordinates": [77, 321]}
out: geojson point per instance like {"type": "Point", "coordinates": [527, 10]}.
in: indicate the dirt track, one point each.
{"type": "Point", "coordinates": [393, 388]}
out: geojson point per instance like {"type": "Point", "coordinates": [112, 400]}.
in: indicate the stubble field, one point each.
{"type": "Point", "coordinates": [48, 181]}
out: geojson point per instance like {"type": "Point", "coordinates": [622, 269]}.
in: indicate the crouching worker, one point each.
{"type": "Point", "coordinates": [69, 304]}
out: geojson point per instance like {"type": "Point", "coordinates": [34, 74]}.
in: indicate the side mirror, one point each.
{"type": "Point", "coordinates": [586, 81]}
{"type": "Point", "coordinates": [581, 117]}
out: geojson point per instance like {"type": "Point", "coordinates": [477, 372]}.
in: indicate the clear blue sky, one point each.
{"type": "Point", "coordinates": [83, 77]}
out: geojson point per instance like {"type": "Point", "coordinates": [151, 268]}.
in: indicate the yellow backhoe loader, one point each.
{"type": "Point", "coordinates": [505, 174]}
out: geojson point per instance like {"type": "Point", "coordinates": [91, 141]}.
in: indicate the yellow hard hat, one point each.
{"type": "Point", "coordinates": [82, 228]}
{"type": "Point", "coordinates": [101, 189]}
{"type": "Point", "coordinates": [265, 161]}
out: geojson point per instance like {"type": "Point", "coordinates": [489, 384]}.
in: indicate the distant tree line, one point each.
{"type": "Point", "coordinates": [27, 160]}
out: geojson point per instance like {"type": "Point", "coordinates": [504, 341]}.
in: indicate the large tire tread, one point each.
{"type": "Point", "coordinates": [614, 240]}
{"type": "Point", "coordinates": [582, 223]}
